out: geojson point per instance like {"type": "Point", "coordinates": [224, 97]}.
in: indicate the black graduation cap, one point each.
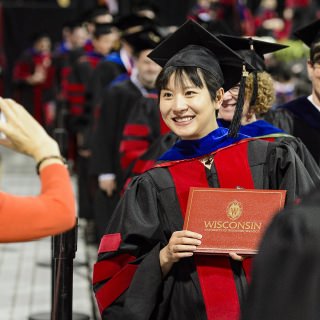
{"type": "Point", "coordinates": [96, 12]}
{"type": "Point", "coordinates": [73, 24]}
{"type": "Point", "coordinates": [133, 22]}
{"type": "Point", "coordinates": [103, 28]}
{"type": "Point", "coordinates": [251, 50]}
{"type": "Point", "coordinates": [147, 38]}
{"type": "Point", "coordinates": [310, 33]}
{"type": "Point", "coordinates": [146, 5]}
{"type": "Point", "coordinates": [193, 46]}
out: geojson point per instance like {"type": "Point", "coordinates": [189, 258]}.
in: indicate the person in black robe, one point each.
{"type": "Point", "coordinates": [80, 102]}
{"type": "Point", "coordinates": [146, 266]}
{"type": "Point", "coordinates": [117, 102]}
{"type": "Point", "coordinates": [33, 77]}
{"type": "Point", "coordinates": [259, 128]}
{"type": "Point", "coordinates": [143, 127]}
{"type": "Point", "coordinates": [259, 98]}
{"type": "Point", "coordinates": [149, 158]}
{"type": "Point", "coordinates": [118, 65]}
{"type": "Point", "coordinates": [79, 119]}
{"type": "Point", "coordinates": [64, 57]}
{"type": "Point", "coordinates": [97, 15]}
{"type": "Point", "coordinates": [286, 272]}
{"type": "Point", "coordinates": [301, 117]}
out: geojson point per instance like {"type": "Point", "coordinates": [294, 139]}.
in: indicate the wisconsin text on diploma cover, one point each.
{"type": "Point", "coordinates": [244, 226]}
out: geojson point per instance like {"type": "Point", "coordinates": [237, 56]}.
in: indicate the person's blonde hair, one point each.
{"type": "Point", "coordinates": [265, 95]}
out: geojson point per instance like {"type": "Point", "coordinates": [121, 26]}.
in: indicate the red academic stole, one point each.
{"type": "Point", "coordinates": [215, 273]}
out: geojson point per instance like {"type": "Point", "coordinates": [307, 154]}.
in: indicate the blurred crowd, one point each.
{"type": "Point", "coordinates": [98, 85]}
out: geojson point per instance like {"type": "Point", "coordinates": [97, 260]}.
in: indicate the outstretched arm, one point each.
{"type": "Point", "coordinates": [51, 212]}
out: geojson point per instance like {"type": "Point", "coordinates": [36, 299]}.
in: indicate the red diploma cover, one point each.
{"type": "Point", "coordinates": [231, 220]}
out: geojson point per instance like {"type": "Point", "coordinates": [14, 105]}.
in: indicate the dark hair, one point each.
{"type": "Point", "coordinates": [315, 52]}
{"type": "Point", "coordinates": [181, 74]}
{"type": "Point", "coordinates": [35, 37]}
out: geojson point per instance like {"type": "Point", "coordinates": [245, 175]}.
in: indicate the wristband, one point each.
{"type": "Point", "coordinates": [62, 159]}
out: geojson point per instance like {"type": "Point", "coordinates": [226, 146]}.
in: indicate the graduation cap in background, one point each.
{"type": "Point", "coordinates": [103, 28]}
{"type": "Point", "coordinates": [253, 52]}
{"type": "Point", "coordinates": [96, 12]}
{"type": "Point", "coordinates": [72, 24]}
{"type": "Point", "coordinates": [310, 33]}
{"type": "Point", "coordinates": [145, 5]}
{"type": "Point", "coordinates": [146, 9]}
{"type": "Point", "coordinates": [147, 38]}
{"type": "Point", "coordinates": [193, 46]}
{"type": "Point", "coordinates": [132, 23]}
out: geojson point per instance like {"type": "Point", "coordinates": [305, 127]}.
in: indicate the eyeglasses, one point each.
{"type": "Point", "coordinates": [234, 91]}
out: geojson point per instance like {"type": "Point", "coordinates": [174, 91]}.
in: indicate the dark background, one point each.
{"type": "Point", "coordinates": [20, 19]}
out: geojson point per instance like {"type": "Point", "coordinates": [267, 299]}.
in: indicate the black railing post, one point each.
{"type": "Point", "coordinates": [64, 249]}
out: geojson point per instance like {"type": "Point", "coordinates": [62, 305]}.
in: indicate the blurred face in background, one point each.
{"type": "Point", "coordinates": [314, 75]}
{"type": "Point", "coordinates": [147, 69]}
{"type": "Point", "coordinates": [104, 43]}
{"type": "Point", "coordinates": [229, 103]}
{"type": "Point", "coordinates": [101, 18]}
{"type": "Point", "coordinates": [78, 37]}
{"type": "Point", "coordinates": [43, 45]}
{"type": "Point", "coordinates": [264, 99]}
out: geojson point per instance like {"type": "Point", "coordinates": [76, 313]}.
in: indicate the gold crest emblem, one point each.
{"type": "Point", "coordinates": [234, 210]}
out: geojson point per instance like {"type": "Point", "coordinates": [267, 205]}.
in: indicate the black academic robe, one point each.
{"type": "Point", "coordinates": [116, 103]}
{"type": "Point", "coordinates": [102, 76]}
{"type": "Point", "coordinates": [301, 119]}
{"type": "Point", "coordinates": [34, 97]}
{"type": "Point", "coordinates": [79, 95]}
{"type": "Point", "coordinates": [64, 63]}
{"type": "Point", "coordinates": [127, 278]}
{"type": "Point", "coordinates": [143, 127]}
{"type": "Point", "coordinates": [148, 159]}
{"type": "Point", "coordinates": [286, 273]}
{"type": "Point", "coordinates": [304, 155]}
{"type": "Point", "coordinates": [163, 143]}
{"type": "Point", "coordinates": [79, 125]}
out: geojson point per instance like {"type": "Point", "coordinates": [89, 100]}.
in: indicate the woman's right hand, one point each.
{"type": "Point", "coordinates": [182, 244]}
{"type": "Point", "coordinates": [24, 134]}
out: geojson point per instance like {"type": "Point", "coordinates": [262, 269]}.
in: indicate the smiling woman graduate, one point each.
{"type": "Point", "coordinates": [146, 266]}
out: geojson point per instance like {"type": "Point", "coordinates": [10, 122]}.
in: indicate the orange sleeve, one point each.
{"type": "Point", "coordinates": [24, 218]}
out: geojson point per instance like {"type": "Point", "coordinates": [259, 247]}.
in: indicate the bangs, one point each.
{"type": "Point", "coordinates": [315, 53]}
{"type": "Point", "coordinates": [182, 77]}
